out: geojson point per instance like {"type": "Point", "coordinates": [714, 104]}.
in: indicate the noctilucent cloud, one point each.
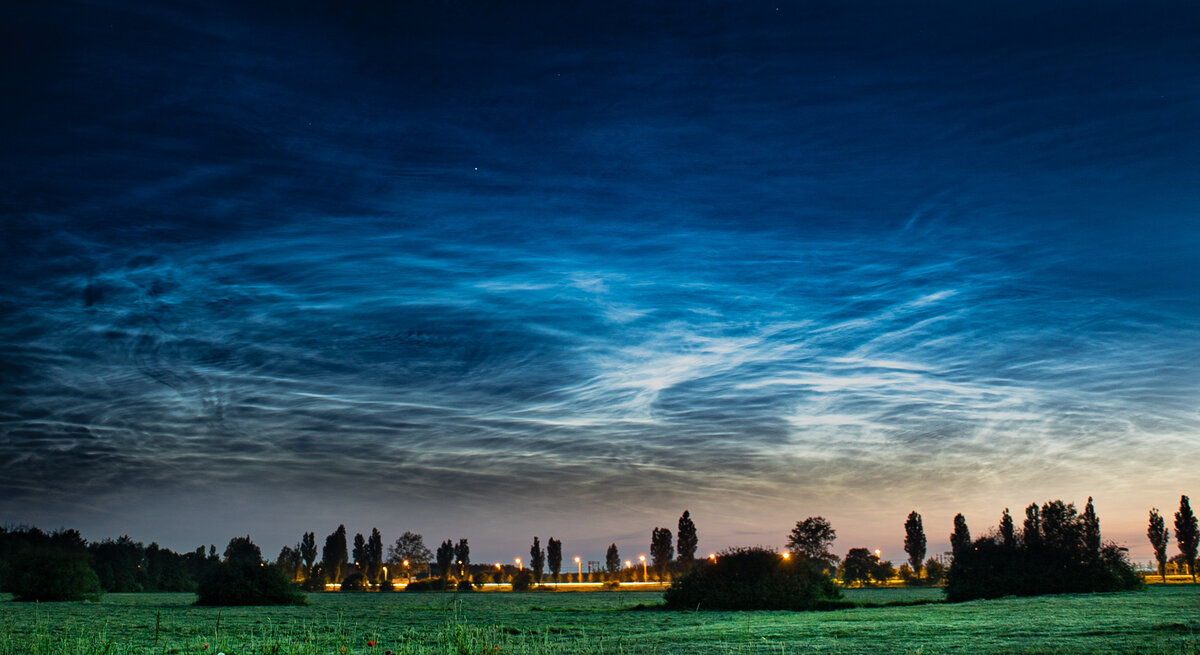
{"type": "Point", "coordinates": [491, 270]}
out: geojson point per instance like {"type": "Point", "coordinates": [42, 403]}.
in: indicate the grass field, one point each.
{"type": "Point", "coordinates": [1162, 619]}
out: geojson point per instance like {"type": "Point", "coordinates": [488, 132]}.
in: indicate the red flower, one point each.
{"type": "Point", "coordinates": [370, 642]}
{"type": "Point", "coordinates": [205, 647]}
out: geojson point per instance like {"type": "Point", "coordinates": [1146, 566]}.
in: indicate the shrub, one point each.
{"type": "Point", "coordinates": [522, 581]}
{"type": "Point", "coordinates": [752, 579]}
{"type": "Point", "coordinates": [465, 585]}
{"type": "Point", "coordinates": [52, 574]}
{"type": "Point", "coordinates": [354, 582]}
{"type": "Point", "coordinates": [432, 584]}
{"type": "Point", "coordinates": [245, 583]}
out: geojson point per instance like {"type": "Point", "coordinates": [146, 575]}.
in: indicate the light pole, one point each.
{"type": "Point", "coordinates": [518, 563]}
{"type": "Point", "coordinates": [643, 560]}
{"type": "Point", "coordinates": [580, 565]}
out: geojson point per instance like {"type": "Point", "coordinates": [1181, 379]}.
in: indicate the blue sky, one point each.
{"type": "Point", "coordinates": [497, 272]}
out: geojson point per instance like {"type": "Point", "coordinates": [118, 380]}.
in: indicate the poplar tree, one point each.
{"type": "Point", "coordinates": [537, 560]}
{"type": "Point", "coordinates": [960, 539]}
{"type": "Point", "coordinates": [462, 557]}
{"type": "Point", "coordinates": [554, 557]}
{"type": "Point", "coordinates": [1158, 534]}
{"type": "Point", "coordinates": [612, 560]}
{"type": "Point", "coordinates": [445, 557]}
{"type": "Point", "coordinates": [686, 540]}
{"type": "Point", "coordinates": [333, 556]}
{"type": "Point", "coordinates": [374, 556]}
{"type": "Point", "coordinates": [914, 542]}
{"type": "Point", "coordinates": [1187, 534]}
{"type": "Point", "coordinates": [661, 550]}
{"type": "Point", "coordinates": [1008, 533]}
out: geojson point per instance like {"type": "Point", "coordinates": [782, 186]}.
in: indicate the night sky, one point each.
{"type": "Point", "coordinates": [497, 269]}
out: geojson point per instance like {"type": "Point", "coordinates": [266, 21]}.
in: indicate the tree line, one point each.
{"type": "Point", "coordinates": [1056, 547]}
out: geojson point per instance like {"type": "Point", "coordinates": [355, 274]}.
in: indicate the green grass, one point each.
{"type": "Point", "coordinates": [1162, 619]}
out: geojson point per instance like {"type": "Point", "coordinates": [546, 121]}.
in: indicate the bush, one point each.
{"type": "Point", "coordinates": [52, 574]}
{"type": "Point", "coordinates": [354, 582]}
{"type": "Point", "coordinates": [465, 585]}
{"type": "Point", "coordinates": [752, 579]}
{"type": "Point", "coordinates": [522, 581]}
{"type": "Point", "coordinates": [432, 584]}
{"type": "Point", "coordinates": [246, 583]}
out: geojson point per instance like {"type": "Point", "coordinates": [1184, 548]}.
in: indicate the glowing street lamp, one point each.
{"type": "Point", "coordinates": [787, 555]}
{"type": "Point", "coordinates": [642, 558]}
{"type": "Point", "coordinates": [580, 565]}
{"type": "Point", "coordinates": [518, 562]}
{"type": "Point", "coordinates": [712, 557]}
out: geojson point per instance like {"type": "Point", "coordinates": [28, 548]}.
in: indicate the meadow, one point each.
{"type": "Point", "coordinates": [1161, 619]}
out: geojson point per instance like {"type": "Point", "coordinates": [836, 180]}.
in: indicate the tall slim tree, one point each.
{"type": "Point", "coordinates": [960, 539]}
{"type": "Point", "coordinates": [554, 557]}
{"type": "Point", "coordinates": [308, 553]}
{"type": "Point", "coordinates": [333, 555]}
{"type": "Point", "coordinates": [1091, 531]}
{"type": "Point", "coordinates": [1187, 534]}
{"type": "Point", "coordinates": [612, 560]}
{"type": "Point", "coordinates": [1031, 529]}
{"type": "Point", "coordinates": [1008, 532]}
{"type": "Point", "coordinates": [537, 560]}
{"type": "Point", "coordinates": [686, 541]}
{"type": "Point", "coordinates": [445, 557]}
{"type": "Point", "coordinates": [462, 557]}
{"type": "Point", "coordinates": [812, 538]}
{"type": "Point", "coordinates": [374, 556]}
{"type": "Point", "coordinates": [914, 541]}
{"type": "Point", "coordinates": [359, 554]}
{"type": "Point", "coordinates": [661, 550]}
{"type": "Point", "coordinates": [1158, 534]}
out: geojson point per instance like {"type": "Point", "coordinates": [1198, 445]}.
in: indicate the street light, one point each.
{"type": "Point", "coordinates": [787, 555]}
{"type": "Point", "coordinates": [712, 557]}
{"type": "Point", "coordinates": [518, 562]}
{"type": "Point", "coordinates": [580, 565]}
{"type": "Point", "coordinates": [642, 558]}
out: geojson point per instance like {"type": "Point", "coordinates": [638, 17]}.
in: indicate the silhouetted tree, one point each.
{"type": "Point", "coordinates": [612, 560]}
{"type": "Point", "coordinates": [1060, 528]}
{"type": "Point", "coordinates": [308, 553]}
{"type": "Point", "coordinates": [1008, 535]}
{"type": "Point", "coordinates": [445, 557]}
{"type": "Point", "coordinates": [686, 541]}
{"type": "Point", "coordinates": [960, 539]}
{"type": "Point", "coordinates": [537, 560]}
{"type": "Point", "coordinates": [359, 554]}
{"type": "Point", "coordinates": [554, 557]}
{"type": "Point", "coordinates": [334, 555]}
{"type": "Point", "coordinates": [812, 538]}
{"type": "Point", "coordinates": [374, 556]}
{"type": "Point", "coordinates": [882, 571]}
{"type": "Point", "coordinates": [1091, 531]}
{"type": "Point", "coordinates": [661, 550]}
{"type": "Point", "coordinates": [935, 571]}
{"type": "Point", "coordinates": [241, 549]}
{"type": "Point", "coordinates": [409, 547]}
{"type": "Point", "coordinates": [1187, 534]}
{"type": "Point", "coordinates": [1158, 534]}
{"type": "Point", "coordinates": [857, 566]}
{"type": "Point", "coordinates": [914, 542]}
{"type": "Point", "coordinates": [1031, 529]}
{"type": "Point", "coordinates": [289, 562]}
{"type": "Point", "coordinates": [462, 557]}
